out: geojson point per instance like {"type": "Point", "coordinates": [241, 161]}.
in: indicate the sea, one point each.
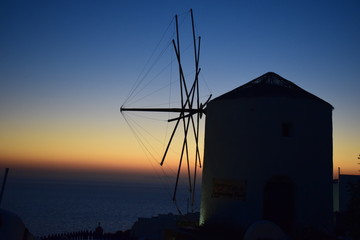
{"type": "Point", "coordinates": [54, 207]}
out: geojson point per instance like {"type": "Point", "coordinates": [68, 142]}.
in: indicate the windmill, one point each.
{"type": "Point", "coordinates": [189, 112]}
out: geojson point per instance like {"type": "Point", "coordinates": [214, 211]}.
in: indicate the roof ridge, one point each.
{"type": "Point", "coordinates": [271, 78]}
{"type": "Point", "coordinates": [269, 84]}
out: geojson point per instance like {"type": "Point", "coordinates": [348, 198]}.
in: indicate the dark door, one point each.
{"type": "Point", "coordinates": [278, 205]}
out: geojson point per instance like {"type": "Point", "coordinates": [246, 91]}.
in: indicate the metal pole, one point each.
{"type": "Point", "coordinates": [3, 184]}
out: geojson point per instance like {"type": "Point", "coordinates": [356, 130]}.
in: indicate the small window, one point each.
{"type": "Point", "coordinates": [286, 130]}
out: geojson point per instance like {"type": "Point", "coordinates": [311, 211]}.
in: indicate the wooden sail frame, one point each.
{"type": "Point", "coordinates": [186, 111]}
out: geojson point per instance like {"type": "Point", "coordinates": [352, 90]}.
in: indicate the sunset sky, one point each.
{"type": "Point", "coordinates": [66, 67]}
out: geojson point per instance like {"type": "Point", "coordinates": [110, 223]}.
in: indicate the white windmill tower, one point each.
{"type": "Point", "coordinates": [268, 155]}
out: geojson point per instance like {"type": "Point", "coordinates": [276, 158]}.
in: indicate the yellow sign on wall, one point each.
{"type": "Point", "coordinates": [232, 189]}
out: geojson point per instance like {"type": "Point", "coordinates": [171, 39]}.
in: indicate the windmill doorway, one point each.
{"type": "Point", "coordinates": [278, 204]}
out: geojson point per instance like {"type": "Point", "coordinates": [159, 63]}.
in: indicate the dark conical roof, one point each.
{"type": "Point", "coordinates": [269, 85]}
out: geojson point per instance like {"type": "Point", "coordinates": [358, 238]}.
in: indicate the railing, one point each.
{"type": "Point", "coordinates": [88, 235]}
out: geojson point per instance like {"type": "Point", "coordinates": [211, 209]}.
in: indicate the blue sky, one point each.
{"type": "Point", "coordinates": [67, 66]}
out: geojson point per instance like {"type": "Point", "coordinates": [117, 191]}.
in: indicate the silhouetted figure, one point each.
{"type": "Point", "coordinates": [99, 231]}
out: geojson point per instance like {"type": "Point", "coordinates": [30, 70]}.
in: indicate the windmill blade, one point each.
{"type": "Point", "coordinates": [186, 130]}
{"type": "Point", "coordinates": [178, 118]}
{"type": "Point", "coordinates": [182, 77]}
{"type": "Point", "coordinates": [170, 140]}
{"type": "Point", "coordinates": [179, 169]}
{"type": "Point", "coordinates": [194, 183]}
{"type": "Point", "coordinates": [196, 134]}
{"type": "Point", "coordinates": [197, 156]}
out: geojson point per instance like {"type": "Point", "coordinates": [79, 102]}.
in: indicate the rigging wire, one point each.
{"type": "Point", "coordinates": [143, 137]}
{"type": "Point", "coordinates": [150, 156]}
{"type": "Point", "coordinates": [161, 104]}
{"type": "Point", "coordinates": [152, 93]}
{"type": "Point", "coordinates": [147, 154]}
{"type": "Point", "coordinates": [205, 83]}
{"type": "Point", "coordinates": [137, 129]}
{"type": "Point", "coordinates": [137, 90]}
{"type": "Point", "coordinates": [139, 136]}
{"type": "Point", "coordinates": [146, 74]}
{"type": "Point", "coordinates": [138, 81]}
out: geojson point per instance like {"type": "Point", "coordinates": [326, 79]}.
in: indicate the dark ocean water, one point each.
{"type": "Point", "coordinates": [57, 207]}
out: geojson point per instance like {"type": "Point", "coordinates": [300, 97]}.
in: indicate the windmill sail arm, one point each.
{"type": "Point", "coordinates": [201, 111]}
{"type": "Point", "coordinates": [176, 110]}
{"type": "Point", "coordinates": [187, 115]}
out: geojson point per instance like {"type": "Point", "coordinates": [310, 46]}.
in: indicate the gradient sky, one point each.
{"type": "Point", "coordinates": [67, 66]}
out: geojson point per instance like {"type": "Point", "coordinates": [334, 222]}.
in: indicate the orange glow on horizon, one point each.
{"type": "Point", "coordinates": [60, 144]}
{"type": "Point", "coordinates": [99, 171]}
{"type": "Point", "coordinates": [66, 146]}
{"type": "Point", "coordinates": [76, 163]}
